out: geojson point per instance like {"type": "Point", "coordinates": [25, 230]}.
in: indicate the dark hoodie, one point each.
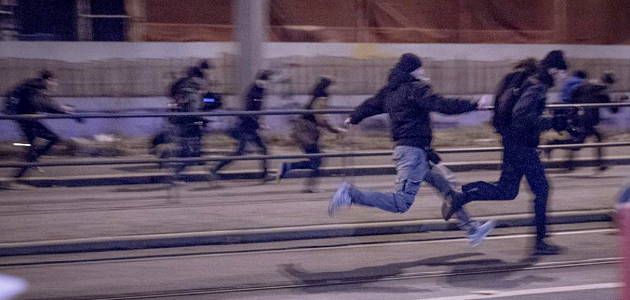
{"type": "Point", "coordinates": [408, 102]}
{"type": "Point", "coordinates": [33, 98]}
{"type": "Point", "coordinates": [527, 120]}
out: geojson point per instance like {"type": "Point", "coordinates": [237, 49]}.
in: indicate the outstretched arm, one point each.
{"type": "Point", "coordinates": [370, 107]}
{"type": "Point", "coordinates": [427, 99]}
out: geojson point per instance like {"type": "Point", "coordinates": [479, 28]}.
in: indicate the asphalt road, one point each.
{"type": "Point", "coordinates": [427, 266]}
{"type": "Point", "coordinates": [110, 211]}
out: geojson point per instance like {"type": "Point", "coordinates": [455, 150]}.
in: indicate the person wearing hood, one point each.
{"type": "Point", "coordinates": [32, 97]}
{"type": "Point", "coordinates": [408, 99]}
{"type": "Point", "coordinates": [306, 133]}
{"type": "Point", "coordinates": [246, 131]}
{"type": "Point", "coordinates": [520, 154]}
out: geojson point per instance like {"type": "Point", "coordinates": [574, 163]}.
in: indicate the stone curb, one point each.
{"type": "Point", "coordinates": [164, 177]}
{"type": "Point", "coordinates": [279, 234]}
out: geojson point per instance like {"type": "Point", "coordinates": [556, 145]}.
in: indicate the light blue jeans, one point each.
{"type": "Point", "coordinates": [412, 168]}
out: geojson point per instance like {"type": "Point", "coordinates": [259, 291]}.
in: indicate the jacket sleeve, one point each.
{"type": "Point", "coordinates": [44, 103]}
{"type": "Point", "coordinates": [526, 115]}
{"type": "Point", "coordinates": [427, 99]}
{"type": "Point", "coordinates": [370, 107]}
{"type": "Point", "coordinates": [322, 121]}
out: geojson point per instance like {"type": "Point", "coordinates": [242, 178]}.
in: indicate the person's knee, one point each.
{"type": "Point", "coordinates": [509, 192]}
{"type": "Point", "coordinates": [404, 202]}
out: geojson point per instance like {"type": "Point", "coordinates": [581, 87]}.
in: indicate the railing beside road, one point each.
{"type": "Point", "coordinates": [260, 157]}
{"type": "Point", "coordinates": [252, 113]}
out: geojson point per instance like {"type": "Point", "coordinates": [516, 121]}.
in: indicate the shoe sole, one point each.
{"type": "Point", "coordinates": [492, 225]}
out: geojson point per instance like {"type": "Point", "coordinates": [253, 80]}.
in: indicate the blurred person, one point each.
{"type": "Point", "coordinates": [31, 97]}
{"type": "Point", "coordinates": [408, 99]}
{"type": "Point", "coordinates": [577, 78]}
{"type": "Point", "coordinates": [622, 219]}
{"type": "Point", "coordinates": [520, 139]}
{"type": "Point", "coordinates": [582, 122]}
{"type": "Point", "coordinates": [306, 132]}
{"type": "Point", "coordinates": [246, 130]}
{"type": "Point", "coordinates": [187, 131]}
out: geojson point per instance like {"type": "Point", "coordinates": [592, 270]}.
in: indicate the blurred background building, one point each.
{"type": "Point", "coordinates": [121, 55]}
{"type": "Point", "coordinates": [372, 21]}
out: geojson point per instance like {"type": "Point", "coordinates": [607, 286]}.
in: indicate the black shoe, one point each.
{"type": "Point", "coordinates": [452, 203]}
{"type": "Point", "coordinates": [542, 248]}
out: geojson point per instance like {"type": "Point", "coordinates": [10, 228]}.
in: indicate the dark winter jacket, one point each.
{"type": "Point", "coordinates": [306, 129]}
{"type": "Point", "coordinates": [186, 93]}
{"type": "Point", "coordinates": [527, 120]}
{"type": "Point", "coordinates": [588, 92]}
{"type": "Point", "coordinates": [408, 103]}
{"type": "Point", "coordinates": [33, 98]}
{"type": "Point", "coordinates": [253, 102]}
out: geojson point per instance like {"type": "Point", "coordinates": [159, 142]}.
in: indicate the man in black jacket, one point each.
{"type": "Point", "coordinates": [520, 155]}
{"type": "Point", "coordinates": [246, 130]}
{"type": "Point", "coordinates": [31, 97]}
{"type": "Point", "coordinates": [408, 101]}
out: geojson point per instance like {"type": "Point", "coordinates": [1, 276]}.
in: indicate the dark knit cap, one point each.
{"type": "Point", "coordinates": [45, 74]}
{"type": "Point", "coordinates": [409, 62]}
{"type": "Point", "coordinates": [264, 75]}
{"type": "Point", "coordinates": [555, 59]}
{"type": "Point", "coordinates": [205, 65]}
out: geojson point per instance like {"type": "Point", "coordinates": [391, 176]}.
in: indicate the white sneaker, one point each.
{"type": "Point", "coordinates": [481, 232]}
{"type": "Point", "coordinates": [340, 199]}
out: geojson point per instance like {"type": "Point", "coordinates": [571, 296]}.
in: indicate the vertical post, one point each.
{"type": "Point", "coordinates": [84, 25]}
{"type": "Point", "coordinates": [251, 20]}
{"type": "Point", "coordinates": [137, 11]}
{"type": "Point", "coordinates": [560, 34]}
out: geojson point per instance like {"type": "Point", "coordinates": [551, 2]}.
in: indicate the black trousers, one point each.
{"type": "Point", "coordinates": [518, 161]}
{"type": "Point", "coordinates": [313, 163]}
{"type": "Point", "coordinates": [33, 130]}
{"type": "Point", "coordinates": [578, 136]}
{"type": "Point", "coordinates": [245, 137]}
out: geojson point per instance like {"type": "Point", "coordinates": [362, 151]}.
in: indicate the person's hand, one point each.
{"type": "Point", "coordinates": [67, 108]}
{"type": "Point", "coordinates": [485, 101]}
{"type": "Point", "coordinates": [347, 122]}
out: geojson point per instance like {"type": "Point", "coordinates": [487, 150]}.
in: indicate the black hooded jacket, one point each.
{"type": "Point", "coordinates": [527, 120]}
{"type": "Point", "coordinates": [33, 98]}
{"type": "Point", "coordinates": [408, 102]}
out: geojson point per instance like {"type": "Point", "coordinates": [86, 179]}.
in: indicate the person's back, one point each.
{"type": "Point", "coordinates": [508, 92]}
{"type": "Point", "coordinates": [592, 92]}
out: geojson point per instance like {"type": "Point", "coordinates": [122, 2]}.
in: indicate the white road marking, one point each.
{"type": "Point", "coordinates": [559, 289]}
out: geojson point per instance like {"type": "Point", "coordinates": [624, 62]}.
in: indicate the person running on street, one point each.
{"type": "Point", "coordinates": [408, 99]}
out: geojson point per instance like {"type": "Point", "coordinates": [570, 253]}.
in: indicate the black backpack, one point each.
{"type": "Point", "coordinates": [505, 100]}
